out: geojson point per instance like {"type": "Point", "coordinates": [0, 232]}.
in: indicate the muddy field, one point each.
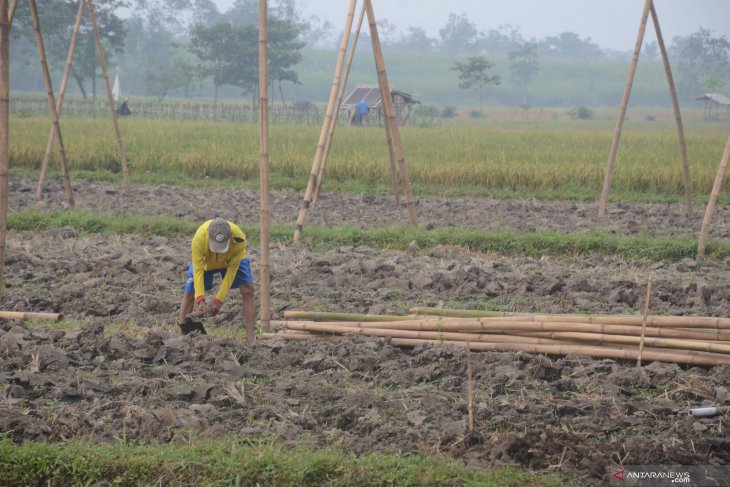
{"type": "Point", "coordinates": [574, 415]}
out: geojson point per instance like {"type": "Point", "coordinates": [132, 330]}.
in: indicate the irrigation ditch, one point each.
{"type": "Point", "coordinates": [121, 366]}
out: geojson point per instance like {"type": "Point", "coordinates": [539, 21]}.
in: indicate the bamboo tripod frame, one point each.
{"type": "Point", "coordinates": [265, 293]}
{"type": "Point", "coordinates": [648, 9]}
{"type": "Point", "coordinates": [704, 231]}
{"type": "Point", "coordinates": [338, 104]}
{"type": "Point", "coordinates": [52, 104]}
{"type": "Point", "coordinates": [62, 93]}
{"type": "Point", "coordinates": [395, 147]}
{"type": "Point", "coordinates": [59, 103]}
{"type": "Point", "coordinates": [4, 129]}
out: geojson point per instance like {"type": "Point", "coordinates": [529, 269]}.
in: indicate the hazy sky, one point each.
{"type": "Point", "coordinates": [609, 23]}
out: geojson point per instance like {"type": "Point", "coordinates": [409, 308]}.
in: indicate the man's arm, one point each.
{"type": "Point", "coordinates": [231, 270]}
{"type": "Point", "coordinates": [199, 250]}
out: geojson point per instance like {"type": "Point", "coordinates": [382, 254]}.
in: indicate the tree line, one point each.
{"type": "Point", "coordinates": [180, 47]}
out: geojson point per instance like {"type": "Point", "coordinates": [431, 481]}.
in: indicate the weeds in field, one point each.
{"type": "Point", "coordinates": [237, 392]}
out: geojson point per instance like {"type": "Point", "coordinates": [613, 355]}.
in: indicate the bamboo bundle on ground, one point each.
{"type": "Point", "coordinates": [629, 320]}
{"type": "Point", "coordinates": [482, 325]}
{"type": "Point", "coordinates": [29, 315]}
{"type": "Point", "coordinates": [328, 316]}
{"type": "Point", "coordinates": [687, 340]}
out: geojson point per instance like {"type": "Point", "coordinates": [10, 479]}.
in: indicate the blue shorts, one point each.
{"type": "Point", "coordinates": [243, 276]}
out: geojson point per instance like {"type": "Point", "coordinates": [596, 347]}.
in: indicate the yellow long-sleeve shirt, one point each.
{"type": "Point", "coordinates": [205, 260]}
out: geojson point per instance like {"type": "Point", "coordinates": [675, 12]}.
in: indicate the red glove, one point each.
{"type": "Point", "coordinates": [215, 307]}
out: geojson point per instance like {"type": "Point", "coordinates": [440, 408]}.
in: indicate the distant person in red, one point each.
{"type": "Point", "coordinates": [218, 247]}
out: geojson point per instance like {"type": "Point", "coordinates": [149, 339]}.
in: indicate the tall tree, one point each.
{"type": "Point", "coordinates": [415, 39]}
{"type": "Point", "coordinates": [173, 75]}
{"type": "Point", "coordinates": [568, 45]}
{"type": "Point", "coordinates": [699, 57]}
{"type": "Point", "coordinates": [284, 53]}
{"type": "Point", "coordinates": [475, 73]}
{"type": "Point", "coordinates": [218, 49]}
{"type": "Point", "coordinates": [524, 65]}
{"type": "Point", "coordinates": [57, 20]}
{"type": "Point", "coordinates": [229, 54]}
{"type": "Point", "coordinates": [502, 40]}
{"type": "Point", "coordinates": [460, 35]}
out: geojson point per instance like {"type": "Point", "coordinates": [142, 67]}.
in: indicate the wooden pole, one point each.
{"type": "Point", "coordinates": [677, 112]}
{"type": "Point", "coordinates": [102, 61]}
{"type": "Point", "coordinates": [340, 95]}
{"type": "Point", "coordinates": [326, 123]}
{"type": "Point", "coordinates": [4, 131]}
{"type": "Point", "coordinates": [702, 246]}
{"type": "Point", "coordinates": [622, 112]}
{"type": "Point", "coordinates": [59, 103]}
{"type": "Point", "coordinates": [643, 325]}
{"type": "Point", "coordinates": [11, 13]}
{"type": "Point", "coordinates": [29, 315]}
{"type": "Point", "coordinates": [52, 103]}
{"type": "Point", "coordinates": [264, 291]}
{"type": "Point", "coordinates": [389, 112]}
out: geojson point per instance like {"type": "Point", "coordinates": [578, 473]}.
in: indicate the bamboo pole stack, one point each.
{"type": "Point", "coordinates": [680, 339]}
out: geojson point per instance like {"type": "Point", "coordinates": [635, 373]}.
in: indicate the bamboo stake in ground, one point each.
{"type": "Point", "coordinates": [394, 174]}
{"type": "Point", "coordinates": [469, 389]}
{"type": "Point", "coordinates": [643, 326]}
{"type": "Point", "coordinates": [622, 112]}
{"type": "Point", "coordinates": [389, 112]}
{"type": "Point", "coordinates": [4, 131]}
{"type": "Point", "coordinates": [338, 104]}
{"type": "Point", "coordinates": [702, 246]}
{"type": "Point", "coordinates": [264, 165]}
{"type": "Point", "coordinates": [102, 61]}
{"type": "Point", "coordinates": [59, 103]}
{"type": "Point", "coordinates": [325, 124]}
{"type": "Point", "coordinates": [677, 112]}
{"type": "Point", "coordinates": [52, 103]}
{"type": "Point", "coordinates": [264, 290]}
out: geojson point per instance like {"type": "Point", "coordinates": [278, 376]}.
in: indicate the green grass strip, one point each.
{"type": "Point", "coordinates": [238, 463]}
{"type": "Point", "coordinates": [533, 244]}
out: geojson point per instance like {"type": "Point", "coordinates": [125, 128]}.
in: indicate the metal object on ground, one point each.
{"type": "Point", "coordinates": [192, 324]}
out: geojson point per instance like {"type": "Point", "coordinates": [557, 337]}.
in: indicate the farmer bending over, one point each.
{"type": "Point", "coordinates": [218, 247]}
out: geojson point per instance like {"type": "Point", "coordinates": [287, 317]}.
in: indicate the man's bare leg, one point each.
{"type": "Point", "coordinates": [249, 310]}
{"type": "Point", "coordinates": [186, 307]}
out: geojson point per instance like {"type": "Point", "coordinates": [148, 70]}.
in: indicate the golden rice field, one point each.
{"type": "Point", "coordinates": [519, 156]}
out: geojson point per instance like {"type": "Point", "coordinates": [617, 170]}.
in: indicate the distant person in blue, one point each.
{"type": "Point", "coordinates": [362, 112]}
